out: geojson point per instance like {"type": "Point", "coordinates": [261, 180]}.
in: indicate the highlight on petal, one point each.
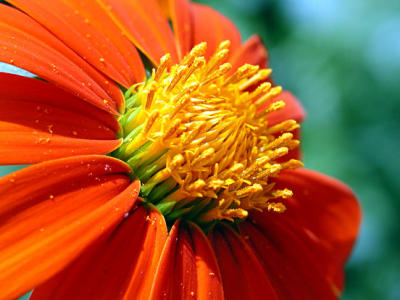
{"type": "Point", "coordinates": [52, 211]}
{"type": "Point", "coordinates": [28, 45]}
{"type": "Point", "coordinates": [119, 266]}
{"type": "Point", "coordinates": [241, 270]}
{"type": "Point", "coordinates": [87, 29]}
{"type": "Point", "coordinates": [212, 27]}
{"type": "Point", "coordinates": [322, 219]}
{"type": "Point", "coordinates": [251, 52]}
{"type": "Point", "coordinates": [39, 122]}
{"type": "Point", "coordinates": [188, 268]}
{"type": "Point", "coordinates": [181, 16]}
{"type": "Point", "coordinates": [144, 23]}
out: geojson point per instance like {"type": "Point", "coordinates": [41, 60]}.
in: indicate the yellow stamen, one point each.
{"type": "Point", "coordinates": [200, 142]}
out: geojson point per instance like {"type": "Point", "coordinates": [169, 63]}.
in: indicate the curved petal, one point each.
{"type": "Point", "coordinates": [144, 23]}
{"type": "Point", "coordinates": [326, 214]}
{"type": "Point", "coordinates": [25, 148]}
{"type": "Point", "coordinates": [52, 211]}
{"type": "Point", "coordinates": [287, 280]}
{"type": "Point", "coordinates": [120, 266]}
{"type": "Point", "coordinates": [181, 16]}
{"type": "Point", "coordinates": [294, 248]}
{"type": "Point", "coordinates": [188, 268]}
{"type": "Point", "coordinates": [212, 27]}
{"type": "Point", "coordinates": [242, 272]}
{"type": "Point", "coordinates": [251, 52]}
{"type": "Point", "coordinates": [40, 122]}
{"type": "Point", "coordinates": [28, 45]}
{"type": "Point", "coordinates": [87, 29]}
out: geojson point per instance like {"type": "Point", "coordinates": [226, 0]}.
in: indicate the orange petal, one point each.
{"type": "Point", "coordinates": [188, 268]}
{"type": "Point", "coordinates": [288, 281]}
{"type": "Point", "coordinates": [208, 273]}
{"type": "Point", "coordinates": [52, 211]}
{"type": "Point", "coordinates": [182, 23]}
{"type": "Point", "coordinates": [144, 23]}
{"type": "Point", "coordinates": [296, 253]}
{"type": "Point", "coordinates": [212, 27]}
{"type": "Point", "coordinates": [251, 52]}
{"type": "Point", "coordinates": [40, 122]}
{"type": "Point", "coordinates": [28, 45]}
{"type": "Point", "coordinates": [120, 266]}
{"type": "Point", "coordinates": [242, 273]}
{"type": "Point", "coordinates": [25, 148]}
{"type": "Point", "coordinates": [323, 215]}
{"type": "Point", "coordinates": [87, 29]}
{"type": "Point", "coordinates": [164, 5]}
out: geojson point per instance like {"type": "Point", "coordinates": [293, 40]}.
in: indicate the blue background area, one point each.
{"type": "Point", "coordinates": [342, 59]}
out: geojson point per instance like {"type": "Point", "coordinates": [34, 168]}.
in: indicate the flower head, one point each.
{"type": "Point", "coordinates": [165, 162]}
{"type": "Point", "coordinates": [199, 140]}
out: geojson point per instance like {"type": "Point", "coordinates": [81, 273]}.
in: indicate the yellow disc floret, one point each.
{"type": "Point", "coordinates": [197, 136]}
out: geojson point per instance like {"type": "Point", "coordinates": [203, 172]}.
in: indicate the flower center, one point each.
{"type": "Point", "coordinates": [196, 134]}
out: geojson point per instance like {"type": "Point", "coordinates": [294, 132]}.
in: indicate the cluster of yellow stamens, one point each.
{"type": "Point", "coordinates": [197, 138]}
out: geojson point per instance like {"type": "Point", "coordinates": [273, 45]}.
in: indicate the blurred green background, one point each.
{"type": "Point", "coordinates": [342, 60]}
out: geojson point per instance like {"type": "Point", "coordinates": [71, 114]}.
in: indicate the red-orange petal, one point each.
{"type": "Point", "coordinates": [144, 23]}
{"type": "Point", "coordinates": [208, 273]}
{"type": "Point", "coordinates": [39, 121]}
{"type": "Point", "coordinates": [294, 248]}
{"type": "Point", "coordinates": [325, 212]}
{"type": "Point", "coordinates": [120, 266]}
{"type": "Point", "coordinates": [288, 283]}
{"type": "Point", "coordinates": [87, 29]}
{"type": "Point", "coordinates": [28, 45]}
{"type": "Point", "coordinates": [188, 268]}
{"type": "Point", "coordinates": [241, 270]}
{"type": "Point", "coordinates": [52, 211]}
{"type": "Point", "coordinates": [212, 27]}
{"type": "Point", "coordinates": [181, 16]}
{"type": "Point", "coordinates": [251, 52]}
{"type": "Point", "coordinates": [286, 276]}
{"type": "Point", "coordinates": [25, 148]}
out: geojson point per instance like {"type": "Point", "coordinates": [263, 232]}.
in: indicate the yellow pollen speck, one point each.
{"type": "Point", "coordinates": [197, 136]}
{"type": "Point", "coordinates": [277, 207]}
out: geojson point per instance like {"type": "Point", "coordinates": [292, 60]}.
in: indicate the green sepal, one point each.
{"type": "Point", "coordinates": [151, 167]}
{"type": "Point", "coordinates": [166, 207]}
{"type": "Point", "coordinates": [120, 152]}
{"type": "Point", "coordinates": [177, 213]}
{"type": "Point", "coordinates": [160, 191]}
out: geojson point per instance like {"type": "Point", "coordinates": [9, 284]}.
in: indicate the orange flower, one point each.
{"type": "Point", "coordinates": [200, 196]}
